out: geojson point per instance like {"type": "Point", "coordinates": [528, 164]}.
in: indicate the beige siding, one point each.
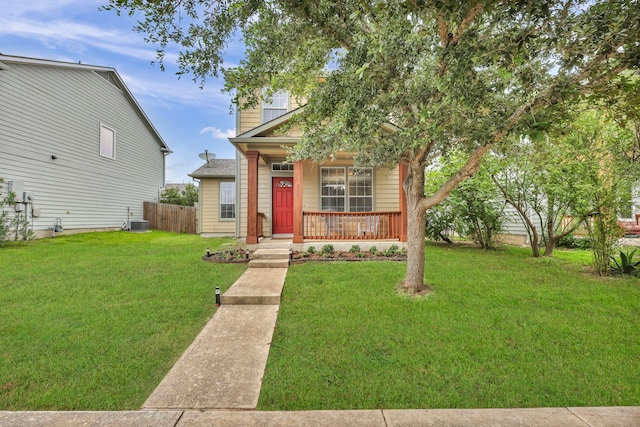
{"type": "Point", "coordinates": [264, 197]}
{"type": "Point", "coordinates": [249, 119]}
{"type": "Point", "coordinates": [387, 189]}
{"type": "Point", "coordinates": [264, 194]}
{"type": "Point", "coordinates": [210, 209]}
{"type": "Point", "coordinates": [252, 118]}
{"type": "Point", "coordinates": [242, 215]}
{"type": "Point", "coordinates": [311, 187]}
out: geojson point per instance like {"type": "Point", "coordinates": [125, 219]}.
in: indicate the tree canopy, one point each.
{"type": "Point", "coordinates": [449, 74]}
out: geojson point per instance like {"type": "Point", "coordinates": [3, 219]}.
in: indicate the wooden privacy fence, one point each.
{"type": "Point", "coordinates": [174, 218]}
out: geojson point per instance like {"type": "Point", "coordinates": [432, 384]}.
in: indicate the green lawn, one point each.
{"type": "Point", "coordinates": [95, 321]}
{"type": "Point", "coordinates": [501, 330]}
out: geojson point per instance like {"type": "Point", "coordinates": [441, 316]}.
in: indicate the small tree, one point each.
{"type": "Point", "coordinates": [474, 208]}
{"type": "Point", "coordinates": [173, 196]}
{"type": "Point", "coordinates": [545, 180]}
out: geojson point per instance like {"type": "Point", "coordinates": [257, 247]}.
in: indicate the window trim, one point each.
{"type": "Point", "coordinates": [113, 142]}
{"type": "Point", "coordinates": [235, 201]}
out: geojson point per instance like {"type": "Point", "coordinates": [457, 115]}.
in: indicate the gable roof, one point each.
{"type": "Point", "coordinates": [270, 125]}
{"type": "Point", "coordinates": [108, 73]}
{"type": "Point", "coordinates": [216, 168]}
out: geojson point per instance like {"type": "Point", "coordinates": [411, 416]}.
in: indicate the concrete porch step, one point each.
{"type": "Point", "coordinates": [269, 263]}
{"type": "Point", "coordinates": [271, 254]}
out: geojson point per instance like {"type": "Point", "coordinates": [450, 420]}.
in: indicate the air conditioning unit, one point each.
{"type": "Point", "coordinates": [139, 225]}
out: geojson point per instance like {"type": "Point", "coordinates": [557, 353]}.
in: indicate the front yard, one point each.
{"type": "Point", "coordinates": [500, 330]}
{"type": "Point", "coordinates": [95, 322]}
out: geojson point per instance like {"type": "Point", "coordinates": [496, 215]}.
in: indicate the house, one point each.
{"type": "Point", "coordinates": [217, 197]}
{"type": "Point", "coordinates": [76, 149]}
{"type": "Point", "coordinates": [305, 202]}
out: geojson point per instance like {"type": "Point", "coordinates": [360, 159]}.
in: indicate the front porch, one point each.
{"type": "Point", "coordinates": [311, 226]}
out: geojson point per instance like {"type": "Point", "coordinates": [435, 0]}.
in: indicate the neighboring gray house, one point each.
{"type": "Point", "coordinates": [217, 197]}
{"type": "Point", "coordinates": [75, 146]}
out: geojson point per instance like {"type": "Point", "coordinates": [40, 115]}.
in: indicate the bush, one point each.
{"type": "Point", "coordinates": [311, 250]}
{"type": "Point", "coordinates": [392, 251]}
{"type": "Point", "coordinates": [373, 249]}
{"type": "Point", "coordinates": [327, 251]}
{"type": "Point", "coordinates": [354, 249]}
{"type": "Point", "coordinates": [626, 266]}
{"type": "Point", "coordinates": [573, 242]}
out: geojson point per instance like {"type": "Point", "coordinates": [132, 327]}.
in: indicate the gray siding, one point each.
{"type": "Point", "coordinates": [57, 111]}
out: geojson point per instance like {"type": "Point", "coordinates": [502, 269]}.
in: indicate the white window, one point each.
{"type": "Point", "coordinates": [277, 107]}
{"type": "Point", "coordinates": [360, 189]}
{"type": "Point", "coordinates": [227, 200]}
{"type": "Point", "coordinates": [107, 142]}
{"type": "Point", "coordinates": [346, 192]}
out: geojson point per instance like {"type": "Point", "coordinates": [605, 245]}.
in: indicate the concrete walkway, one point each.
{"type": "Point", "coordinates": [217, 380]}
{"type": "Point", "coordinates": [223, 367]}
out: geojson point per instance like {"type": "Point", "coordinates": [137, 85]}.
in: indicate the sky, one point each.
{"type": "Point", "coordinates": [189, 119]}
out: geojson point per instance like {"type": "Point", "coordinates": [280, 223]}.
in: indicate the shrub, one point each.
{"type": "Point", "coordinates": [373, 249]}
{"type": "Point", "coordinates": [392, 251]}
{"type": "Point", "coordinates": [311, 250]}
{"type": "Point", "coordinates": [354, 249]}
{"type": "Point", "coordinates": [626, 265]}
{"type": "Point", "coordinates": [573, 242]}
{"type": "Point", "coordinates": [327, 251]}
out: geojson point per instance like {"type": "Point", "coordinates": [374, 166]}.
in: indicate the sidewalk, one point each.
{"type": "Point", "coordinates": [535, 417]}
{"type": "Point", "coordinates": [217, 381]}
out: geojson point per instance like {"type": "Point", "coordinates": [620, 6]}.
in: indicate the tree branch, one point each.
{"type": "Point", "coordinates": [475, 10]}
{"type": "Point", "coordinates": [471, 167]}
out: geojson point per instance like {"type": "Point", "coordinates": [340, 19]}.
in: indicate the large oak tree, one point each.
{"type": "Point", "coordinates": [450, 74]}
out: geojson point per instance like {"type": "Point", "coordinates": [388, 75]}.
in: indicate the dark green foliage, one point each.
{"type": "Point", "coordinates": [393, 250]}
{"type": "Point", "coordinates": [573, 242]}
{"type": "Point", "coordinates": [173, 196]}
{"type": "Point", "coordinates": [627, 265]}
{"type": "Point", "coordinates": [354, 249]}
{"type": "Point", "coordinates": [311, 249]}
{"type": "Point", "coordinates": [327, 251]}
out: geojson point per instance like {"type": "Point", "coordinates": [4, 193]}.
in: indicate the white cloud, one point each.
{"type": "Point", "coordinates": [219, 133]}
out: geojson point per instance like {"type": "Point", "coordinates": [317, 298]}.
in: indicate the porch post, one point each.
{"type": "Point", "coordinates": [252, 197]}
{"type": "Point", "coordinates": [298, 220]}
{"type": "Point", "coordinates": [404, 169]}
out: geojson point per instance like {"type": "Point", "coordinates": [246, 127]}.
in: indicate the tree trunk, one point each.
{"type": "Point", "coordinates": [550, 246]}
{"type": "Point", "coordinates": [417, 205]}
{"type": "Point", "coordinates": [416, 223]}
{"type": "Point", "coordinates": [535, 242]}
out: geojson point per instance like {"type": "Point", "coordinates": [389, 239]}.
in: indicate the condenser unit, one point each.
{"type": "Point", "coordinates": [139, 225]}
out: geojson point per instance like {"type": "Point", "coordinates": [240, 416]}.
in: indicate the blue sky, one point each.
{"type": "Point", "coordinates": [188, 118]}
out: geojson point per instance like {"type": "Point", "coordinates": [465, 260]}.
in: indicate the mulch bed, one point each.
{"type": "Point", "coordinates": [238, 255]}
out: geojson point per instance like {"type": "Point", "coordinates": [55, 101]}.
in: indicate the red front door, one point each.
{"type": "Point", "coordinates": [282, 205]}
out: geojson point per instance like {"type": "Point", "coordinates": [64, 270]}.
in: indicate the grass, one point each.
{"type": "Point", "coordinates": [501, 330]}
{"type": "Point", "coordinates": [95, 321]}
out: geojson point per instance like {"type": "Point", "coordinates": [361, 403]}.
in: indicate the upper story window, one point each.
{"type": "Point", "coordinates": [277, 107]}
{"type": "Point", "coordinates": [107, 142]}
